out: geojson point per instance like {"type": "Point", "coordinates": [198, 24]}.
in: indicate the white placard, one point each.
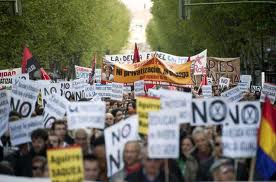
{"type": "Point", "coordinates": [246, 78]}
{"type": "Point", "coordinates": [82, 72]}
{"type": "Point", "coordinates": [66, 89]}
{"type": "Point", "coordinates": [139, 88]}
{"type": "Point", "coordinates": [98, 73]}
{"type": "Point", "coordinates": [233, 95]}
{"type": "Point", "coordinates": [244, 86]}
{"type": "Point", "coordinates": [115, 138]}
{"type": "Point", "coordinates": [6, 76]}
{"type": "Point", "coordinates": [224, 82]}
{"type": "Point", "coordinates": [103, 90]}
{"type": "Point", "coordinates": [20, 130]}
{"type": "Point", "coordinates": [239, 142]}
{"type": "Point", "coordinates": [48, 90]}
{"type": "Point", "coordinates": [246, 113]}
{"type": "Point", "coordinates": [200, 62]}
{"type": "Point", "coordinates": [24, 76]}
{"type": "Point", "coordinates": [256, 88]}
{"type": "Point", "coordinates": [180, 103]}
{"type": "Point", "coordinates": [117, 91]}
{"type": "Point", "coordinates": [207, 91]}
{"type": "Point", "coordinates": [4, 112]}
{"type": "Point", "coordinates": [163, 135]}
{"type": "Point", "coordinates": [23, 97]}
{"type": "Point", "coordinates": [90, 92]}
{"type": "Point", "coordinates": [127, 89]}
{"type": "Point", "coordinates": [268, 90]}
{"type": "Point", "coordinates": [211, 111]}
{"type": "Point", "coordinates": [54, 109]}
{"type": "Point", "coordinates": [86, 114]}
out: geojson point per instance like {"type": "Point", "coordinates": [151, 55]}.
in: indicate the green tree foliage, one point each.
{"type": "Point", "coordinates": [225, 30]}
{"type": "Point", "coordinates": [63, 33]}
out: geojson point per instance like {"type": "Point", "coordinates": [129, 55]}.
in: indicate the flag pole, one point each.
{"type": "Point", "coordinates": [252, 169]}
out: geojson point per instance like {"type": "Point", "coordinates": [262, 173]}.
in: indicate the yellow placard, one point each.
{"type": "Point", "coordinates": [155, 70]}
{"type": "Point", "coordinates": [144, 106]}
{"type": "Point", "coordinates": [65, 164]}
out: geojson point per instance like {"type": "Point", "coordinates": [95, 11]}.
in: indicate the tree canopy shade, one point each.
{"type": "Point", "coordinates": [63, 33]}
{"type": "Point", "coordinates": [237, 30]}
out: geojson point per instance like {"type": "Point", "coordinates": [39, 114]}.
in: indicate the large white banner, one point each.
{"type": "Point", "coordinates": [55, 109]}
{"type": "Point", "coordinates": [128, 58]}
{"type": "Point", "coordinates": [117, 91]}
{"type": "Point", "coordinates": [239, 141]}
{"type": "Point", "coordinates": [268, 90]}
{"type": "Point", "coordinates": [6, 76]}
{"type": "Point", "coordinates": [4, 112]}
{"type": "Point", "coordinates": [163, 135]}
{"type": "Point", "coordinates": [20, 130]}
{"type": "Point", "coordinates": [115, 138]}
{"type": "Point", "coordinates": [200, 62]}
{"type": "Point", "coordinates": [86, 114]}
{"type": "Point", "coordinates": [232, 95]}
{"type": "Point", "coordinates": [65, 89]}
{"type": "Point", "coordinates": [23, 97]}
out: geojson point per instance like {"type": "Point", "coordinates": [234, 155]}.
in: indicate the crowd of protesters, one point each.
{"type": "Point", "coordinates": [200, 148]}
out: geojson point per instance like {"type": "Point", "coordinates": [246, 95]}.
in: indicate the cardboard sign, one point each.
{"type": "Point", "coordinates": [6, 76]}
{"type": "Point", "coordinates": [103, 91]}
{"type": "Point", "coordinates": [207, 91]}
{"type": "Point", "coordinates": [200, 61]}
{"type": "Point", "coordinates": [127, 89]}
{"type": "Point", "coordinates": [21, 130]}
{"type": "Point", "coordinates": [163, 135]}
{"type": "Point", "coordinates": [233, 95]}
{"type": "Point", "coordinates": [117, 91]}
{"type": "Point", "coordinates": [4, 112]}
{"type": "Point", "coordinates": [239, 142]}
{"type": "Point", "coordinates": [246, 113]}
{"type": "Point", "coordinates": [23, 97]}
{"type": "Point", "coordinates": [139, 88]}
{"type": "Point", "coordinates": [224, 82]}
{"type": "Point", "coordinates": [178, 102]}
{"type": "Point", "coordinates": [48, 90]}
{"type": "Point", "coordinates": [144, 106]}
{"type": "Point", "coordinates": [86, 114]}
{"type": "Point", "coordinates": [224, 67]}
{"type": "Point", "coordinates": [268, 90]}
{"type": "Point", "coordinates": [65, 164]}
{"type": "Point", "coordinates": [211, 111]}
{"type": "Point", "coordinates": [115, 138]}
{"type": "Point", "coordinates": [155, 70]}
{"type": "Point", "coordinates": [54, 109]}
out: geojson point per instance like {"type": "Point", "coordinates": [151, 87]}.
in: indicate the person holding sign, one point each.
{"type": "Point", "coordinates": [107, 74]}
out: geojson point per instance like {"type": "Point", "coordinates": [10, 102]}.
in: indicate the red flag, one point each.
{"type": "Point", "coordinates": [136, 57]}
{"type": "Point", "coordinates": [44, 75]}
{"type": "Point", "coordinates": [204, 80]}
{"type": "Point", "coordinates": [93, 67]}
{"type": "Point", "coordinates": [27, 55]}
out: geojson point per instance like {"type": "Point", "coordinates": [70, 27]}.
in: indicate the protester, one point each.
{"type": "Point", "coordinates": [54, 141]}
{"type": "Point", "coordinates": [39, 142]}
{"type": "Point", "coordinates": [59, 128]}
{"type": "Point", "coordinates": [81, 139]}
{"type": "Point", "coordinates": [38, 166]}
{"type": "Point", "coordinates": [223, 170]}
{"type": "Point", "coordinates": [91, 168]}
{"type": "Point", "coordinates": [109, 119]}
{"type": "Point", "coordinates": [118, 115]}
